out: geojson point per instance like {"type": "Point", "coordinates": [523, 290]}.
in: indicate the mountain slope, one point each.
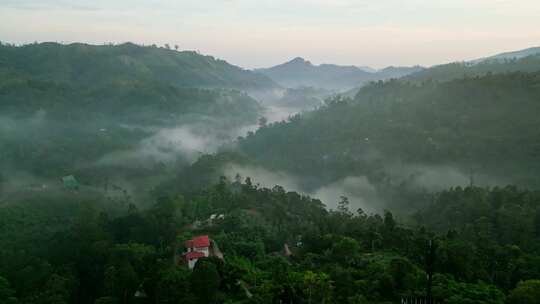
{"type": "Point", "coordinates": [511, 55]}
{"type": "Point", "coordinates": [486, 125]}
{"type": "Point", "coordinates": [521, 62]}
{"type": "Point", "coordinates": [89, 65]}
{"type": "Point", "coordinates": [82, 110]}
{"type": "Point", "coordinates": [299, 73]}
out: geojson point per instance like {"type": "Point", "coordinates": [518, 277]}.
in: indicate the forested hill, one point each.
{"type": "Point", "coordinates": [511, 55]}
{"type": "Point", "coordinates": [493, 65]}
{"type": "Point", "coordinates": [93, 65]}
{"type": "Point", "coordinates": [81, 109]}
{"type": "Point", "coordinates": [485, 126]}
{"type": "Point", "coordinates": [130, 102]}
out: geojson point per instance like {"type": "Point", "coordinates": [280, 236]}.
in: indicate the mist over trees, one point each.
{"type": "Point", "coordinates": [111, 157]}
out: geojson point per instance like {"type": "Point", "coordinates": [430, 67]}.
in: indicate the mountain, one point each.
{"type": "Point", "coordinates": [520, 61]}
{"type": "Point", "coordinates": [387, 73]}
{"type": "Point", "coordinates": [510, 55]}
{"type": "Point", "coordinates": [395, 144]}
{"type": "Point", "coordinates": [367, 69]}
{"type": "Point", "coordinates": [126, 82]}
{"type": "Point", "coordinates": [93, 65]}
{"type": "Point", "coordinates": [438, 132]}
{"type": "Point", "coordinates": [398, 72]}
{"type": "Point", "coordinates": [81, 109]}
{"type": "Point", "coordinates": [302, 73]}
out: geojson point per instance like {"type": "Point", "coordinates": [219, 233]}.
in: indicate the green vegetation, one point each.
{"type": "Point", "coordinates": [75, 252]}
{"type": "Point", "coordinates": [527, 292]}
{"type": "Point", "coordinates": [484, 127]}
{"type": "Point", "coordinates": [108, 166]}
{"type": "Point", "coordinates": [110, 136]}
{"type": "Point", "coordinates": [96, 112]}
{"type": "Point", "coordinates": [457, 70]}
{"type": "Point", "coordinates": [90, 65]}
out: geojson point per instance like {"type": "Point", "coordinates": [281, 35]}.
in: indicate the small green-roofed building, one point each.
{"type": "Point", "coordinates": [70, 182]}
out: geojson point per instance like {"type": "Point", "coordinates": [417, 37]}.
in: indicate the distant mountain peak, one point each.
{"type": "Point", "coordinates": [299, 61]}
{"type": "Point", "coordinates": [300, 72]}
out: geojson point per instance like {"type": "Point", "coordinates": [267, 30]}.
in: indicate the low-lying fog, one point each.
{"type": "Point", "coordinates": [183, 141]}
{"type": "Point", "coordinates": [196, 135]}
{"type": "Point", "coordinates": [358, 189]}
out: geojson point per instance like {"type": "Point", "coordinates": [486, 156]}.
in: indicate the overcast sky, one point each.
{"type": "Point", "coordinates": [257, 33]}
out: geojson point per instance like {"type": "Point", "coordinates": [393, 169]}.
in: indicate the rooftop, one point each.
{"type": "Point", "coordinates": [198, 242]}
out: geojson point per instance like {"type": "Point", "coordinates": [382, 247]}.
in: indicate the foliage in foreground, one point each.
{"type": "Point", "coordinates": [80, 253]}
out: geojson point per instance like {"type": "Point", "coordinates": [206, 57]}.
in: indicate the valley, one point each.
{"type": "Point", "coordinates": [320, 183]}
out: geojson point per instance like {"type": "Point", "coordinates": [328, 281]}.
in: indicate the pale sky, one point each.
{"type": "Point", "coordinates": [260, 33]}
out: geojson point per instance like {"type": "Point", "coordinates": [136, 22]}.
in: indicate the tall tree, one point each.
{"type": "Point", "coordinates": [205, 281]}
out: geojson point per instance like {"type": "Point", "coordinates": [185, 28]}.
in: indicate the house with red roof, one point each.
{"type": "Point", "coordinates": [196, 248]}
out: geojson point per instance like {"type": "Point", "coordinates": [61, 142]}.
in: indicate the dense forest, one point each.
{"type": "Point", "coordinates": [485, 243]}
{"type": "Point", "coordinates": [91, 65]}
{"type": "Point", "coordinates": [495, 65]}
{"type": "Point", "coordinates": [60, 115]}
{"type": "Point", "coordinates": [114, 157]}
{"type": "Point", "coordinates": [481, 130]}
